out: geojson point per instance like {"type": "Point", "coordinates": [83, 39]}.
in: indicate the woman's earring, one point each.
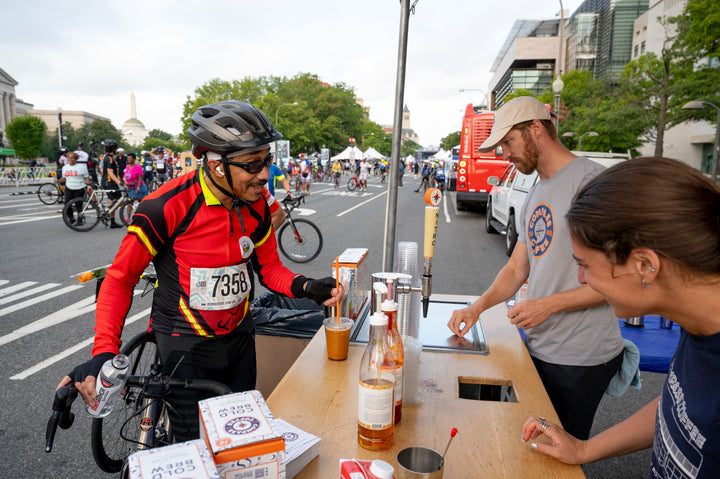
{"type": "Point", "coordinates": [644, 284]}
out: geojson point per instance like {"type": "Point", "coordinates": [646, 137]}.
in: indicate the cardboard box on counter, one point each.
{"type": "Point", "coordinates": [189, 460]}
{"type": "Point", "coordinates": [354, 278]}
{"type": "Point", "coordinates": [238, 432]}
{"type": "Point", "coordinates": [300, 447]}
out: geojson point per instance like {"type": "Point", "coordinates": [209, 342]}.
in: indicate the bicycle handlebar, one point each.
{"type": "Point", "coordinates": [62, 416]}
{"type": "Point", "coordinates": [66, 395]}
{"type": "Point", "coordinates": [293, 202]}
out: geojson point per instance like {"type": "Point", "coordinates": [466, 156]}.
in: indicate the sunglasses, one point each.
{"type": "Point", "coordinates": [254, 167]}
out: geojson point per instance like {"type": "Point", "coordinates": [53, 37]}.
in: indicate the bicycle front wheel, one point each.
{"type": "Point", "coordinates": [300, 243]}
{"type": "Point", "coordinates": [115, 436]}
{"type": "Point", "coordinates": [352, 184]}
{"type": "Point", "coordinates": [49, 193]}
{"type": "Point", "coordinates": [86, 219]}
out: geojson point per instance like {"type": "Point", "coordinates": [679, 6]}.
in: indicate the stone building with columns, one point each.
{"type": "Point", "coordinates": [10, 105]}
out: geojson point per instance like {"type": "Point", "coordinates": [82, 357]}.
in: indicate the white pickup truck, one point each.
{"type": "Point", "coordinates": [510, 190]}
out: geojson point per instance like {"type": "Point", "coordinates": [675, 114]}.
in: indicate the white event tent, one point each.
{"type": "Point", "coordinates": [349, 153]}
{"type": "Point", "coordinates": [372, 154]}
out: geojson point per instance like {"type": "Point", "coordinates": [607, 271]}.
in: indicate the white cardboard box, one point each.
{"type": "Point", "coordinates": [238, 432]}
{"type": "Point", "coordinates": [189, 460]}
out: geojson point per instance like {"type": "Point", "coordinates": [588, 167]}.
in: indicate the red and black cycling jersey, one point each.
{"type": "Point", "coordinates": [189, 236]}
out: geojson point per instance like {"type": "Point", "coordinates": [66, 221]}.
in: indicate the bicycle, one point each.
{"type": "Point", "coordinates": [140, 418]}
{"type": "Point", "coordinates": [353, 182]}
{"type": "Point", "coordinates": [300, 240]}
{"type": "Point", "coordinates": [50, 193]}
{"type": "Point", "coordinates": [93, 210]}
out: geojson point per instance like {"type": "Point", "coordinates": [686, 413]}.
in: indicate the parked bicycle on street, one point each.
{"type": "Point", "coordinates": [93, 211]}
{"type": "Point", "coordinates": [300, 240]}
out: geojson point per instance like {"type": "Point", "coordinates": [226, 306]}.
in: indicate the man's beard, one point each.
{"type": "Point", "coordinates": [528, 163]}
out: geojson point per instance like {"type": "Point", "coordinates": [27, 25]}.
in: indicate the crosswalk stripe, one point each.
{"type": "Point", "coordinates": [73, 311]}
{"type": "Point", "coordinates": [27, 220]}
{"type": "Point", "coordinates": [29, 292]}
{"type": "Point", "coordinates": [33, 301]}
{"type": "Point", "coordinates": [17, 287]}
{"type": "Point", "coordinates": [4, 281]}
{"type": "Point", "coordinates": [72, 350]}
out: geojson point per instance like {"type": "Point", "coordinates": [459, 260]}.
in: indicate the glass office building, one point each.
{"type": "Point", "coordinates": [599, 36]}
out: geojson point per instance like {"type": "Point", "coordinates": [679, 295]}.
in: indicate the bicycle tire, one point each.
{"type": "Point", "coordinates": [127, 210]}
{"type": "Point", "coordinates": [352, 184]}
{"type": "Point", "coordinates": [301, 244]}
{"type": "Point", "coordinates": [90, 214]}
{"type": "Point", "coordinates": [48, 193]}
{"type": "Point", "coordinates": [109, 447]}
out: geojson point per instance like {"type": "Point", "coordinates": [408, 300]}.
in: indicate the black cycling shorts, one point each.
{"type": "Point", "coordinates": [229, 359]}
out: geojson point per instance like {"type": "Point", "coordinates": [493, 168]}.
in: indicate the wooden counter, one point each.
{"type": "Point", "coordinates": [320, 397]}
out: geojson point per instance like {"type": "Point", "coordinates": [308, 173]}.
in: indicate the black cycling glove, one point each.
{"type": "Point", "coordinates": [319, 290]}
{"type": "Point", "coordinates": [91, 367]}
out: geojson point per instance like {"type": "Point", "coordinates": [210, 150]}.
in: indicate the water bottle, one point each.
{"type": "Point", "coordinates": [109, 384]}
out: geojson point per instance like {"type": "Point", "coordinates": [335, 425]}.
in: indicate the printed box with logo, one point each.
{"type": "Point", "coordinates": [189, 460]}
{"type": "Point", "coordinates": [237, 429]}
{"type": "Point", "coordinates": [354, 278]}
{"type": "Point", "coordinates": [300, 447]}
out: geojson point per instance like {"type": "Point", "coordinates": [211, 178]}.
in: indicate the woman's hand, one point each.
{"type": "Point", "coordinates": [565, 448]}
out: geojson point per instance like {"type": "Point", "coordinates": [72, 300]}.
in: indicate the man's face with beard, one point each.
{"type": "Point", "coordinates": [519, 147]}
{"type": "Point", "coordinates": [246, 185]}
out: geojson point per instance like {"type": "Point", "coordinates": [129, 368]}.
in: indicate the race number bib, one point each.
{"type": "Point", "coordinates": [160, 164]}
{"type": "Point", "coordinates": [214, 289]}
{"type": "Point", "coordinates": [148, 167]}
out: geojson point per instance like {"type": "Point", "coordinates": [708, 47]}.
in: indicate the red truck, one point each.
{"type": "Point", "coordinates": [474, 168]}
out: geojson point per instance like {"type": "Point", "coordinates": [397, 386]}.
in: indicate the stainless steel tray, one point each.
{"type": "Point", "coordinates": [434, 333]}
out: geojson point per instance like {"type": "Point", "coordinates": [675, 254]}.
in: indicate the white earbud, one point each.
{"type": "Point", "coordinates": [217, 168]}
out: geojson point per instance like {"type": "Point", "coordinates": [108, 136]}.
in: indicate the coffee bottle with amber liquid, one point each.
{"type": "Point", "coordinates": [390, 308]}
{"type": "Point", "coordinates": [376, 403]}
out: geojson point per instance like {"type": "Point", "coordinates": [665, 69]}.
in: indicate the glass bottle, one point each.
{"type": "Point", "coordinates": [390, 309]}
{"type": "Point", "coordinates": [376, 389]}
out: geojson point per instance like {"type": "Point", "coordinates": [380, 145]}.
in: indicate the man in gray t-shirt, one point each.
{"type": "Point", "coordinates": [572, 334]}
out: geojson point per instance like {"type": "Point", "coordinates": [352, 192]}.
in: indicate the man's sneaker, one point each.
{"type": "Point", "coordinates": [79, 222]}
{"type": "Point", "coordinates": [113, 224]}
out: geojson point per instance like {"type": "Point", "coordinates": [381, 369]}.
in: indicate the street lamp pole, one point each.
{"type": "Point", "coordinates": [580, 137]}
{"type": "Point", "coordinates": [698, 105]}
{"type": "Point", "coordinates": [278, 110]}
{"type": "Point", "coordinates": [59, 113]}
{"type": "Point", "coordinates": [487, 98]}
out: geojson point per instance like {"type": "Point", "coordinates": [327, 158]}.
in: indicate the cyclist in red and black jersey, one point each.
{"type": "Point", "coordinates": [200, 230]}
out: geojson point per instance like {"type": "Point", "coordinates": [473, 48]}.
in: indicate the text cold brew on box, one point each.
{"type": "Point", "coordinates": [237, 429]}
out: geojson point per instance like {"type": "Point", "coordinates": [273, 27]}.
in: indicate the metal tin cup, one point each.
{"type": "Point", "coordinates": [419, 463]}
{"type": "Point", "coordinates": [665, 323]}
{"type": "Point", "coordinates": [635, 322]}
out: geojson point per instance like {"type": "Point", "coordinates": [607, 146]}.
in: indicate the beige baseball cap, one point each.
{"type": "Point", "coordinates": [517, 110]}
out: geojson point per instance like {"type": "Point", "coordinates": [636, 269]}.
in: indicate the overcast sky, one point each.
{"type": "Point", "coordinates": [91, 55]}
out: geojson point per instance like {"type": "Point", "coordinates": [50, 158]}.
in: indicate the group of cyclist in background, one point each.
{"type": "Point", "coordinates": [305, 170]}
{"type": "Point", "coordinates": [77, 172]}
{"type": "Point", "coordinates": [431, 176]}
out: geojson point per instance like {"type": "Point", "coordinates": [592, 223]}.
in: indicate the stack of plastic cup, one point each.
{"type": "Point", "coordinates": [406, 262]}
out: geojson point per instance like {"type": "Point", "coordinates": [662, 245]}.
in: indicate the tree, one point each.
{"type": "Point", "coordinates": [408, 147]}
{"type": "Point", "coordinates": [661, 84]}
{"type": "Point", "coordinates": [159, 134]}
{"type": "Point", "coordinates": [325, 115]}
{"type": "Point", "coordinates": [26, 135]}
{"type": "Point", "coordinates": [451, 140]}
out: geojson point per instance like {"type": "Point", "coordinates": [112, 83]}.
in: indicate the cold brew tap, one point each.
{"type": "Point", "coordinates": [433, 197]}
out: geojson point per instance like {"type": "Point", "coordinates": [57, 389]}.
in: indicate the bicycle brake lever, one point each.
{"type": "Point", "coordinates": [62, 416]}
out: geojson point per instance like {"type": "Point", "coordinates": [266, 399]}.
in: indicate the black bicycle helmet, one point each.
{"type": "Point", "coordinates": [230, 126]}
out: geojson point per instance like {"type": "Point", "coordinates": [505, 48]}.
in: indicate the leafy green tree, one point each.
{"type": "Point", "coordinates": [26, 135]}
{"type": "Point", "coordinates": [451, 140]}
{"type": "Point", "coordinates": [159, 134]}
{"type": "Point", "coordinates": [324, 116]}
{"type": "Point", "coordinates": [409, 148]}
{"type": "Point", "coordinates": [153, 142]}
